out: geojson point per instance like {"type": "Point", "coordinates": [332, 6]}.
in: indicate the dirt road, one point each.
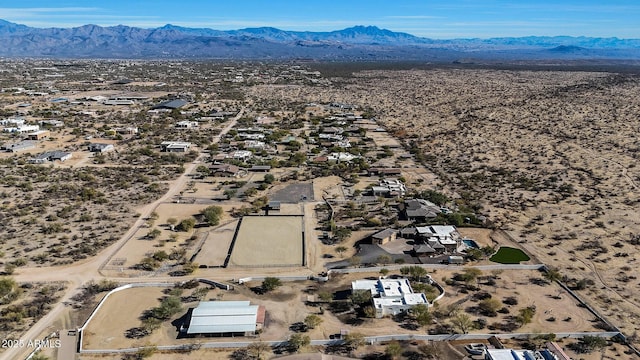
{"type": "Point", "coordinates": [84, 271]}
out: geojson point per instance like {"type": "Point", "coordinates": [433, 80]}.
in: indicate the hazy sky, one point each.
{"type": "Point", "coordinates": [427, 18]}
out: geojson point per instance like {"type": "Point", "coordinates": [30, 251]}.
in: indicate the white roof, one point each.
{"type": "Point", "coordinates": [384, 287]}
{"type": "Point", "coordinates": [423, 230]}
{"type": "Point", "coordinates": [447, 241]}
{"type": "Point", "coordinates": [443, 230]}
{"type": "Point", "coordinates": [415, 299]}
{"type": "Point", "coordinates": [223, 317]}
{"type": "Point", "coordinates": [510, 354]}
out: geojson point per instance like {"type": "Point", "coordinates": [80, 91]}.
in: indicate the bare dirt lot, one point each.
{"type": "Point", "coordinates": [216, 245]}
{"type": "Point", "coordinates": [268, 241]}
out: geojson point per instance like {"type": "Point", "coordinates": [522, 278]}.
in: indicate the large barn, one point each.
{"type": "Point", "coordinates": [226, 318]}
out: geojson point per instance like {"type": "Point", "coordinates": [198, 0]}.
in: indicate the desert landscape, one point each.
{"type": "Point", "coordinates": [286, 184]}
{"type": "Point", "coordinates": [548, 156]}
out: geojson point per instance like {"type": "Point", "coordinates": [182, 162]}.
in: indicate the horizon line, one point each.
{"type": "Point", "coordinates": [154, 27]}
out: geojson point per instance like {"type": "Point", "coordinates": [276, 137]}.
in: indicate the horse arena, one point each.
{"type": "Point", "coordinates": [268, 241]}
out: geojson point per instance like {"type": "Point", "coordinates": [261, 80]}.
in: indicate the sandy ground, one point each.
{"type": "Point", "coordinates": [216, 245]}
{"type": "Point", "coordinates": [264, 241]}
{"type": "Point", "coordinates": [383, 139]}
{"type": "Point", "coordinates": [117, 315]}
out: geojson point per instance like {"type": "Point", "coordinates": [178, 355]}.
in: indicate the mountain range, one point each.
{"type": "Point", "coordinates": [354, 43]}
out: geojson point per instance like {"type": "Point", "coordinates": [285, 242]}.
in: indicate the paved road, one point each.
{"type": "Point", "coordinates": [369, 339]}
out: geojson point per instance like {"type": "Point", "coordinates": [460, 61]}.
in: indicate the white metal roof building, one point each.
{"type": "Point", "coordinates": [224, 317]}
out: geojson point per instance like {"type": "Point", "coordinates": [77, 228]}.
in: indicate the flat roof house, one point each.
{"type": "Point", "coordinates": [18, 147]}
{"type": "Point", "coordinates": [226, 318]}
{"type": "Point", "coordinates": [185, 124]}
{"type": "Point", "coordinates": [175, 146]}
{"type": "Point", "coordinates": [243, 155]}
{"type": "Point", "coordinates": [260, 168]}
{"type": "Point", "coordinates": [51, 156]}
{"type": "Point", "coordinates": [440, 235]}
{"type": "Point", "coordinates": [390, 296]}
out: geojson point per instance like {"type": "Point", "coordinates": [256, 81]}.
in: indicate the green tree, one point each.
{"type": "Point", "coordinates": [462, 322]}
{"type": "Point", "coordinates": [312, 321]}
{"type": "Point", "coordinates": [190, 267]}
{"type": "Point", "coordinates": [434, 196]}
{"type": "Point", "coordinates": [169, 306]}
{"type": "Point", "coordinates": [525, 315]}
{"type": "Point", "coordinates": [393, 349]}
{"type": "Point", "coordinates": [360, 297]}
{"type": "Point", "coordinates": [150, 324]}
{"type": "Point", "coordinates": [298, 341]}
{"type": "Point", "coordinates": [187, 224]}
{"type": "Point", "coordinates": [212, 215]}
{"type": "Point", "coordinates": [589, 343]}
{"type": "Point", "coordinates": [490, 306]}
{"type": "Point", "coordinates": [354, 340]}
{"type": "Point", "coordinates": [269, 178]}
{"type": "Point", "coordinates": [414, 271]}
{"type": "Point", "coordinates": [421, 314]}
{"type": "Point", "coordinates": [369, 311]}
{"type": "Point", "coordinates": [257, 349]}
{"type": "Point", "coordinates": [229, 193]}
{"type": "Point", "coordinates": [270, 284]}
{"type": "Point", "coordinates": [8, 289]}
{"type": "Point", "coordinates": [341, 233]}
{"type": "Point", "coordinates": [325, 296]}
{"type": "Point", "coordinates": [160, 255]}
{"type": "Point", "coordinates": [153, 234]}
{"type": "Point", "coordinates": [552, 274]}
{"type": "Point", "coordinates": [203, 170]}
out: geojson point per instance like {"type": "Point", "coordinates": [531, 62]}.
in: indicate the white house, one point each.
{"type": "Point", "coordinates": [389, 187]}
{"type": "Point", "coordinates": [175, 146]}
{"type": "Point", "coordinates": [12, 121]}
{"type": "Point", "coordinates": [253, 144]}
{"type": "Point", "coordinates": [445, 235]}
{"type": "Point", "coordinates": [186, 124]}
{"type": "Point", "coordinates": [341, 156]}
{"type": "Point", "coordinates": [390, 296]}
{"type": "Point", "coordinates": [243, 155]}
{"type": "Point", "coordinates": [22, 129]}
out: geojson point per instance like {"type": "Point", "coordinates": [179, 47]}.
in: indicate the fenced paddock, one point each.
{"type": "Point", "coordinates": [268, 241]}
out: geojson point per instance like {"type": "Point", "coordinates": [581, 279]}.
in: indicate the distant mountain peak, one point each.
{"type": "Point", "coordinates": [359, 42]}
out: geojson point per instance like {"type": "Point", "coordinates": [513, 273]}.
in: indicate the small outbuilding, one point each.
{"type": "Point", "coordinates": [384, 236]}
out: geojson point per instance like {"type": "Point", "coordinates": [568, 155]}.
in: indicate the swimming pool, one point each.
{"type": "Point", "coordinates": [470, 243]}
